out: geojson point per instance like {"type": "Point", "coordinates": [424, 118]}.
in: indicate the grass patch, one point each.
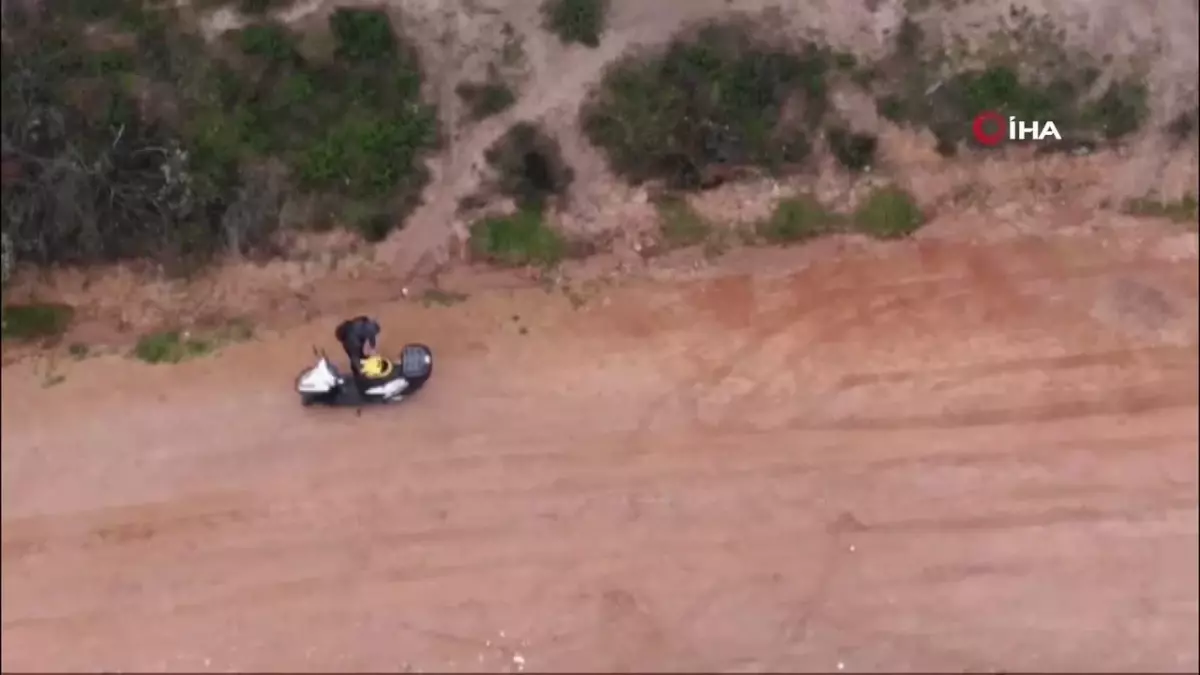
{"type": "Point", "coordinates": [796, 220]}
{"type": "Point", "coordinates": [889, 213]}
{"type": "Point", "coordinates": [1184, 210]}
{"type": "Point", "coordinates": [713, 100]}
{"type": "Point", "coordinates": [529, 166]}
{"type": "Point", "coordinates": [175, 346]}
{"type": "Point", "coordinates": [576, 21]}
{"type": "Point", "coordinates": [171, 347]}
{"type": "Point", "coordinates": [485, 99]}
{"type": "Point", "coordinates": [25, 322]}
{"type": "Point", "coordinates": [517, 240]}
{"type": "Point", "coordinates": [680, 225]}
{"type": "Point", "coordinates": [436, 296]}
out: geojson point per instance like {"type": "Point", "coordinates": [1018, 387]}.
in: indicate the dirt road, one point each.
{"type": "Point", "coordinates": [942, 457]}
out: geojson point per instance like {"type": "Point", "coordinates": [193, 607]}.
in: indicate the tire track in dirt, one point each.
{"type": "Point", "coordinates": [811, 309]}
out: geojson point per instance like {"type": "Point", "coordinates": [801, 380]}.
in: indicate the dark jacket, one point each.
{"type": "Point", "coordinates": [355, 334]}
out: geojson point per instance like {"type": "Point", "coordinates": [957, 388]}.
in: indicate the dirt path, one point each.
{"type": "Point", "coordinates": [946, 457]}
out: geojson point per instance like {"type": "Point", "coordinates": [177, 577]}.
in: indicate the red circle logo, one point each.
{"type": "Point", "coordinates": [980, 128]}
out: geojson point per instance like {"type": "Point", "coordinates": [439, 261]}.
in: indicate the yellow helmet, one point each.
{"type": "Point", "coordinates": [376, 366]}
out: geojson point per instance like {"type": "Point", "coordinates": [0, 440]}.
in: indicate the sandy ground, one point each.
{"type": "Point", "coordinates": [935, 455]}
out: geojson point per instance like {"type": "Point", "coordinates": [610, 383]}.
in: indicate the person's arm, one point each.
{"type": "Point", "coordinates": [370, 333]}
{"type": "Point", "coordinates": [342, 331]}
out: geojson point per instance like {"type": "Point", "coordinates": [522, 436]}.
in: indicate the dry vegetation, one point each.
{"type": "Point", "coordinates": [153, 139]}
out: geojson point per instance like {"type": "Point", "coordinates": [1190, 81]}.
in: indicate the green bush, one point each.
{"type": "Point", "coordinates": [517, 240]}
{"type": "Point", "coordinates": [680, 225]}
{"type": "Point", "coordinates": [889, 213]}
{"type": "Point", "coordinates": [363, 35]}
{"type": "Point", "coordinates": [796, 220]}
{"type": "Point", "coordinates": [530, 166]}
{"type": "Point", "coordinates": [36, 321]}
{"type": "Point", "coordinates": [1120, 111]}
{"type": "Point", "coordinates": [98, 182]}
{"type": "Point", "coordinates": [93, 181]}
{"type": "Point", "coordinates": [915, 89]}
{"type": "Point", "coordinates": [708, 103]}
{"type": "Point", "coordinates": [365, 154]}
{"type": "Point", "coordinates": [372, 219]}
{"type": "Point", "coordinates": [576, 21]}
{"type": "Point", "coordinates": [855, 151]}
{"type": "Point", "coordinates": [1183, 210]}
{"type": "Point", "coordinates": [270, 41]}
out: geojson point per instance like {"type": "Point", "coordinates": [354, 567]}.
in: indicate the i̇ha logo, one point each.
{"type": "Point", "coordinates": [991, 128]}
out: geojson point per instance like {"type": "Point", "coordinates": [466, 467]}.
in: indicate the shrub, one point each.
{"type": "Point", "coordinates": [1183, 210]}
{"type": "Point", "coordinates": [680, 225]}
{"type": "Point", "coordinates": [796, 220]}
{"type": "Point", "coordinates": [365, 154]}
{"type": "Point", "coordinates": [517, 240]}
{"type": "Point", "coordinates": [889, 213]}
{"type": "Point", "coordinates": [36, 321]}
{"type": "Point", "coordinates": [709, 102]}
{"type": "Point", "coordinates": [363, 35]}
{"type": "Point", "coordinates": [855, 151]}
{"type": "Point", "coordinates": [373, 220]}
{"type": "Point", "coordinates": [529, 166]}
{"type": "Point", "coordinates": [93, 181]}
{"type": "Point", "coordinates": [270, 41]}
{"type": "Point", "coordinates": [576, 21]}
{"type": "Point", "coordinates": [1120, 111]}
{"type": "Point", "coordinates": [917, 90]}
{"type": "Point", "coordinates": [96, 180]}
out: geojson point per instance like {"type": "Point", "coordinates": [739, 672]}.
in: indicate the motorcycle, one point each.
{"type": "Point", "coordinates": [324, 384]}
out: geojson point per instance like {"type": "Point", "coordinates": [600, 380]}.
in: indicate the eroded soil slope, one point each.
{"type": "Point", "coordinates": [930, 455]}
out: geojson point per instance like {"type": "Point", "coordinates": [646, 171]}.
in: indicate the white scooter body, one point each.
{"type": "Point", "coordinates": [324, 379]}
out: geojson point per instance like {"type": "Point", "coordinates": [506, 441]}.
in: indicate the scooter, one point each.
{"type": "Point", "coordinates": [324, 384]}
